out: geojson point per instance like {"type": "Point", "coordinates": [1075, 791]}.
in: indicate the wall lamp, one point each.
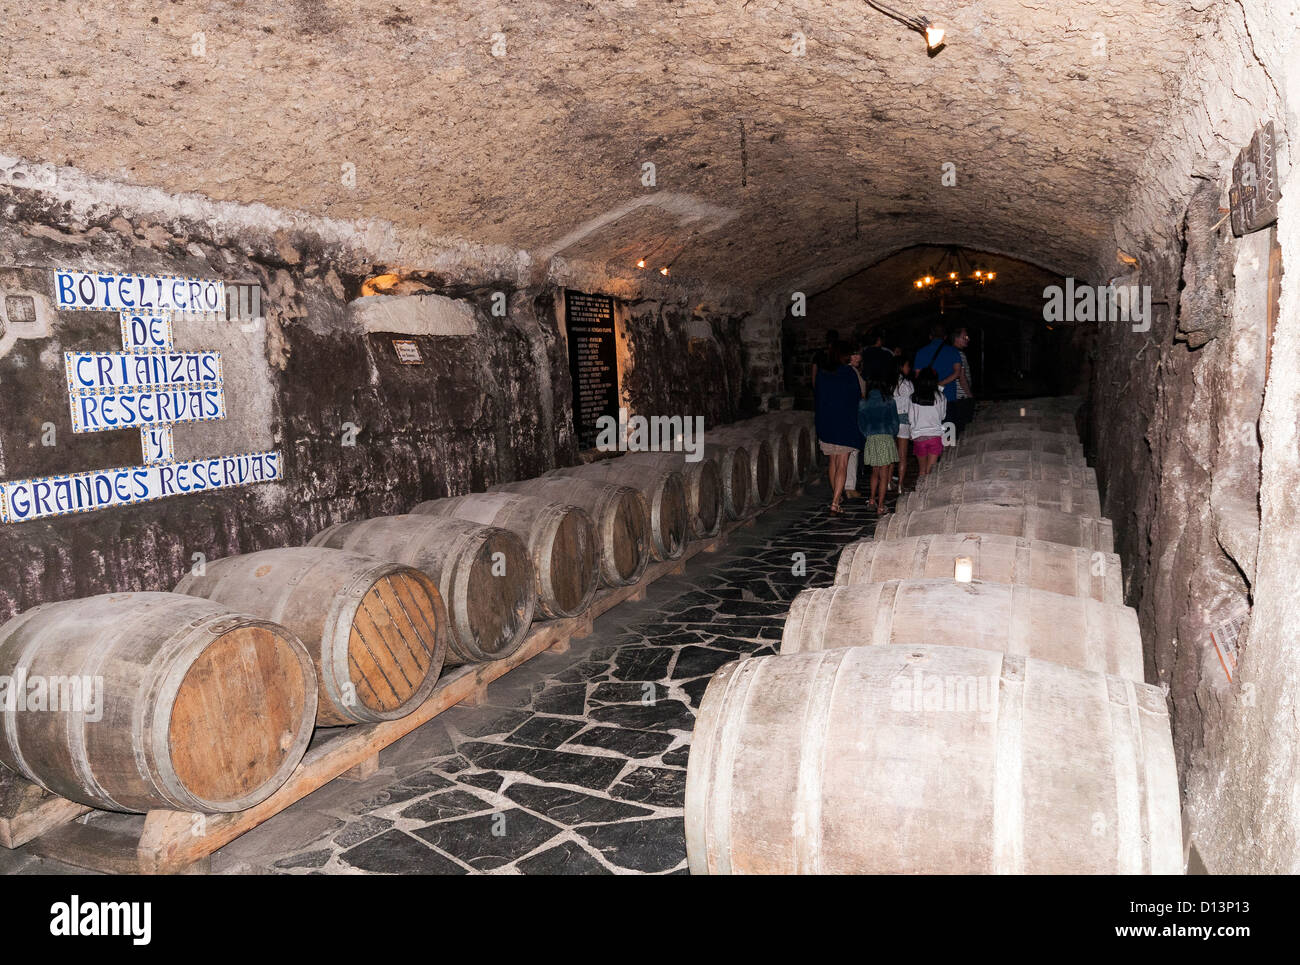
{"type": "Point", "coordinates": [932, 32]}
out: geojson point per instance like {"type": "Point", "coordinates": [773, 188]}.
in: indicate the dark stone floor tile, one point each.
{"type": "Point", "coordinates": [488, 841]}
{"type": "Point", "coordinates": [569, 807]}
{"type": "Point", "coordinates": [629, 743]}
{"type": "Point", "coordinates": [308, 859]}
{"type": "Point", "coordinates": [357, 831]}
{"type": "Point", "coordinates": [627, 693]}
{"type": "Point", "coordinates": [560, 767]}
{"type": "Point", "coordinates": [566, 858]}
{"type": "Point", "coordinates": [653, 845]}
{"type": "Point", "coordinates": [697, 661]}
{"type": "Point", "coordinates": [642, 663]}
{"type": "Point", "coordinates": [446, 804]}
{"type": "Point", "coordinates": [583, 671]}
{"type": "Point", "coordinates": [663, 787]}
{"type": "Point", "coordinates": [397, 853]}
{"type": "Point", "coordinates": [489, 780]}
{"type": "Point", "coordinates": [424, 781]}
{"type": "Point", "coordinates": [677, 757]}
{"type": "Point", "coordinates": [549, 732]}
{"type": "Point", "coordinates": [695, 690]}
{"type": "Point", "coordinates": [394, 794]}
{"type": "Point", "coordinates": [695, 614]}
{"type": "Point", "coordinates": [567, 699]}
{"type": "Point", "coordinates": [661, 715]}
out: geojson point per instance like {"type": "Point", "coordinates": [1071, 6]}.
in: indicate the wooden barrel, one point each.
{"type": "Point", "coordinates": [1022, 440]}
{"type": "Point", "coordinates": [1090, 532]}
{"type": "Point", "coordinates": [376, 630]}
{"type": "Point", "coordinates": [665, 496]}
{"type": "Point", "coordinates": [1071, 630]}
{"type": "Point", "coordinates": [619, 513]}
{"type": "Point", "coordinates": [734, 475]}
{"type": "Point", "coordinates": [1049, 495]}
{"type": "Point", "coordinates": [763, 486]}
{"type": "Point", "coordinates": [1022, 408]}
{"type": "Point", "coordinates": [783, 442]}
{"type": "Point", "coordinates": [1034, 563]}
{"type": "Point", "coordinates": [483, 572]}
{"type": "Point", "coordinates": [560, 537]}
{"type": "Point", "coordinates": [1002, 458]}
{"type": "Point", "coordinates": [1062, 425]}
{"type": "Point", "coordinates": [805, 433]}
{"type": "Point", "coordinates": [929, 760]}
{"type": "Point", "coordinates": [702, 482]}
{"type": "Point", "coordinates": [193, 707]}
{"type": "Point", "coordinates": [986, 469]}
{"type": "Point", "coordinates": [791, 435]}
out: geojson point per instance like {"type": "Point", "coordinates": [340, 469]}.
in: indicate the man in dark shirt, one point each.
{"type": "Point", "coordinates": [877, 361]}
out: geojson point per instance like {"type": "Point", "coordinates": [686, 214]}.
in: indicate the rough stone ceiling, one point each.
{"type": "Point", "coordinates": [1045, 107]}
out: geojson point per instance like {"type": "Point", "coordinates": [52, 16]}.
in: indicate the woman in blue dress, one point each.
{"type": "Point", "coordinates": [837, 392]}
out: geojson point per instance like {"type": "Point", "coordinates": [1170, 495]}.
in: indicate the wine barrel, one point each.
{"type": "Point", "coordinates": [1090, 532]}
{"type": "Point", "coordinates": [1060, 425]}
{"type": "Point", "coordinates": [782, 442]}
{"type": "Point", "coordinates": [702, 482]}
{"type": "Point", "coordinates": [194, 707]}
{"type": "Point", "coordinates": [619, 513]}
{"type": "Point", "coordinates": [1022, 440]}
{"type": "Point", "coordinates": [560, 537]}
{"type": "Point", "coordinates": [762, 464]}
{"type": "Point", "coordinates": [1003, 458]}
{"type": "Point", "coordinates": [1033, 563]}
{"type": "Point", "coordinates": [805, 433]}
{"type": "Point", "coordinates": [665, 496]}
{"type": "Point", "coordinates": [929, 760]}
{"type": "Point", "coordinates": [734, 475]}
{"type": "Point", "coordinates": [483, 573]}
{"type": "Point", "coordinates": [791, 435]}
{"type": "Point", "coordinates": [1021, 408]}
{"type": "Point", "coordinates": [377, 631]}
{"type": "Point", "coordinates": [977, 469]}
{"type": "Point", "coordinates": [1049, 495]}
{"type": "Point", "coordinates": [1070, 630]}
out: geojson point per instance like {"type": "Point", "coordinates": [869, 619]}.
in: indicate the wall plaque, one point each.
{"type": "Point", "coordinates": [593, 361]}
{"type": "Point", "coordinates": [408, 352]}
{"type": "Point", "coordinates": [1254, 193]}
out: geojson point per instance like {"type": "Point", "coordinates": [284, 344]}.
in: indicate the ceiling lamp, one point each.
{"type": "Point", "coordinates": [932, 32]}
{"type": "Point", "coordinates": [952, 268]}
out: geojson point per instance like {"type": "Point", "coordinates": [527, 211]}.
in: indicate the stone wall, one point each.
{"type": "Point", "coordinates": [318, 378]}
{"type": "Point", "coordinates": [1197, 454]}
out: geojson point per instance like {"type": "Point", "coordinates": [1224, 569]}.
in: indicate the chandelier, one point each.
{"type": "Point", "coordinates": [950, 271]}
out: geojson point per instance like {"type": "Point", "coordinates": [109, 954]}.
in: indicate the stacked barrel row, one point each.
{"type": "Point", "coordinates": [967, 697]}
{"type": "Point", "coordinates": [210, 693]}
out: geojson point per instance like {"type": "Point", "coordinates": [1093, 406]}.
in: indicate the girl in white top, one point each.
{"type": "Point", "coordinates": [902, 399]}
{"type": "Point", "coordinates": [925, 415]}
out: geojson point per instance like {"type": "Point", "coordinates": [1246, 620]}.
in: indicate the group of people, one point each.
{"type": "Point", "coordinates": [874, 403]}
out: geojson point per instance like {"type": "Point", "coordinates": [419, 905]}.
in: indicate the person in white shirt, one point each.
{"type": "Point", "coordinates": [902, 400]}
{"type": "Point", "coordinates": [925, 415]}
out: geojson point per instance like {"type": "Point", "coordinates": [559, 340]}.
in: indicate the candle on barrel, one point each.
{"type": "Point", "coordinates": [964, 569]}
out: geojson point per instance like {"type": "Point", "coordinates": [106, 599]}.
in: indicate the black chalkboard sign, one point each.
{"type": "Point", "coordinates": [593, 361]}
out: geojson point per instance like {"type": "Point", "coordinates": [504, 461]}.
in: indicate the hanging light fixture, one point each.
{"type": "Point", "coordinates": [952, 268]}
{"type": "Point", "coordinates": [932, 32]}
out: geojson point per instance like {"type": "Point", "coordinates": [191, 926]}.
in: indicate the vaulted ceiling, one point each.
{"type": "Point", "coordinates": [793, 143]}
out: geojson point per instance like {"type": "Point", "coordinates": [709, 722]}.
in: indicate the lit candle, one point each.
{"type": "Point", "coordinates": [964, 569]}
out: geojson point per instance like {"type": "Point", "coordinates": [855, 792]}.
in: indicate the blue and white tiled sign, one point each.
{"type": "Point", "coordinates": [149, 387]}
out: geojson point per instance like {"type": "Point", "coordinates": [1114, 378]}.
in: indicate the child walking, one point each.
{"type": "Point", "coordinates": [925, 415]}
{"type": "Point", "coordinates": [878, 422]}
{"type": "Point", "coordinates": [902, 399]}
